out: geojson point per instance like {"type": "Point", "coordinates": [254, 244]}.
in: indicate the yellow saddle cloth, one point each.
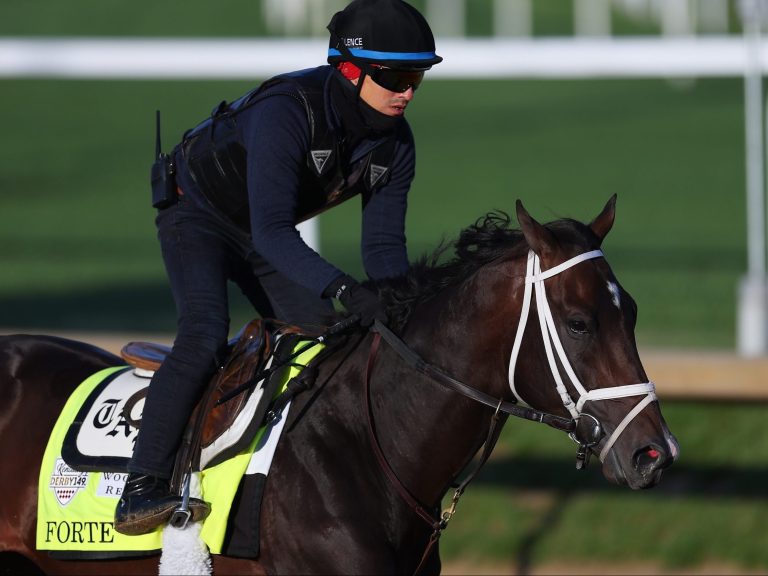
{"type": "Point", "coordinates": [76, 509]}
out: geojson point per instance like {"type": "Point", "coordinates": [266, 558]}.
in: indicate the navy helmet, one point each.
{"type": "Point", "coordinates": [389, 33]}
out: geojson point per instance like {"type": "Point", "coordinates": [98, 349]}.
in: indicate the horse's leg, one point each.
{"type": "Point", "coordinates": [37, 375]}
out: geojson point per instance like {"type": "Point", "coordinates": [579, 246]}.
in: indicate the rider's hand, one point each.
{"type": "Point", "coordinates": [357, 300]}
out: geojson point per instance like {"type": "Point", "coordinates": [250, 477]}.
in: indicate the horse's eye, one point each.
{"type": "Point", "coordinates": [577, 326]}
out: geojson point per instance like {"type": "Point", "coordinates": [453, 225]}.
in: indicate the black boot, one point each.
{"type": "Point", "coordinates": [147, 502]}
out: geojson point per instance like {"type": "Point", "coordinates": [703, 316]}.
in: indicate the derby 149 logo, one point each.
{"type": "Point", "coordinates": [66, 482]}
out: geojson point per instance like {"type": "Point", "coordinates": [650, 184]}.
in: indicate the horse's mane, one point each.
{"type": "Point", "coordinates": [489, 239]}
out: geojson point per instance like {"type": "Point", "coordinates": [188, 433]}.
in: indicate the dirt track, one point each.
{"type": "Point", "coordinates": [718, 375]}
{"type": "Point", "coordinates": [710, 375]}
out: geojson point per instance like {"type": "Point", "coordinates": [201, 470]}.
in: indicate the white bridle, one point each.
{"type": "Point", "coordinates": [535, 277]}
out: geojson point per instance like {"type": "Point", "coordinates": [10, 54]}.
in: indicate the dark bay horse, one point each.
{"type": "Point", "coordinates": [370, 451]}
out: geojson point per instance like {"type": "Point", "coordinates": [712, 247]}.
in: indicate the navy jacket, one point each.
{"type": "Point", "coordinates": [275, 134]}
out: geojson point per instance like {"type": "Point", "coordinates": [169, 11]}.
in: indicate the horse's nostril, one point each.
{"type": "Point", "coordinates": [649, 458]}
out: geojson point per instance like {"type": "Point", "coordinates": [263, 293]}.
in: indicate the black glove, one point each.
{"type": "Point", "coordinates": [357, 300]}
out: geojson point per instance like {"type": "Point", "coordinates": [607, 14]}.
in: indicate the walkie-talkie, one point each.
{"type": "Point", "coordinates": [163, 182]}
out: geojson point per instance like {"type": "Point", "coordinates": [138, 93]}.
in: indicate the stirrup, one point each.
{"type": "Point", "coordinates": [180, 518]}
{"type": "Point", "coordinates": [190, 509]}
{"type": "Point", "coordinates": [182, 514]}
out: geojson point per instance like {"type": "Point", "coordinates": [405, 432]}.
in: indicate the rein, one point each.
{"type": "Point", "coordinates": [583, 427]}
{"type": "Point", "coordinates": [501, 408]}
{"type": "Point", "coordinates": [416, 362]}
{"type": "Point", "coordinates": [436, 523]}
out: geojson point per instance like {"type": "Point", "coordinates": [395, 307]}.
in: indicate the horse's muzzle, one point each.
{"type": "Point", "coordinates": [644, 467]}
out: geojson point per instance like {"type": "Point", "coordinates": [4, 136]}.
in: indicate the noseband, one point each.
{"type": "Point", "coordinates": [535, 278]}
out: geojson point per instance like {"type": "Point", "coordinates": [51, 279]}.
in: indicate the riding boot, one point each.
{"type": "Point", "coordinates": [147, 502]}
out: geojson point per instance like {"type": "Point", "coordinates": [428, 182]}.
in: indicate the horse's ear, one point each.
{"type": "Point", "coordinates": [538, 237]}
{"type": "Point", "coordinates": [604, 221]}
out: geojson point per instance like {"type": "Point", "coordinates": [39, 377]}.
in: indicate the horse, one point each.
{"type": "Point", "coordinates": [397, 414]}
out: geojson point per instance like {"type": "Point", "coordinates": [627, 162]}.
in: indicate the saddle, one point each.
{"type": "Point", "coordinates": [254, 362]}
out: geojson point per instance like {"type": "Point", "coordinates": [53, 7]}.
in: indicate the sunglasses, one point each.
{"type": "Point", "coordinates": [396, 80]}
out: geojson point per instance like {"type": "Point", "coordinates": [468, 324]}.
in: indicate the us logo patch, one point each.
{"type": "Point", "coordinates": [376, 173]}
{"type": "Point", "coordinates": [320, 159]}
{"type": "Point", "coordinates": [66, 482]}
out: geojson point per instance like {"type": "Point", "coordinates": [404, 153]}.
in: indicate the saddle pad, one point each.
{"type": "Point", "coordinates": [76, 508]}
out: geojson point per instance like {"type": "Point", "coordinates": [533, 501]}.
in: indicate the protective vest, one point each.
{"type": "Point", "coordinates": [216, 157]}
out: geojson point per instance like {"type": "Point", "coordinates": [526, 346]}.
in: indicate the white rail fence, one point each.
{"type": "Point", "coordinates": [142, 58]}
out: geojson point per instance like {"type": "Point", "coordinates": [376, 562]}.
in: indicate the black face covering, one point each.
{"type": "Point", "coordinates": [358, 118]}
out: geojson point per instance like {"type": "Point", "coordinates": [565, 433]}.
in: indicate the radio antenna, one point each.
{"type": "Point", "coordinates": [158, 146]}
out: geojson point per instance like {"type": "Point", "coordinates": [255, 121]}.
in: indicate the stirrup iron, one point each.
{"type": "Point", "coordinates": [181, 516]}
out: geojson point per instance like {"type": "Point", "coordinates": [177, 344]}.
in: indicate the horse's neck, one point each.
{"type": "Point", "coordinates": [435, 431]}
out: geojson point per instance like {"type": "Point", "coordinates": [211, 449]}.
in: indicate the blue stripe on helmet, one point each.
{"type": "Point", "coordinates": [374, 55]}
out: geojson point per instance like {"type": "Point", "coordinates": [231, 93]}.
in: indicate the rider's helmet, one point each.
{"type": "Point", "coordinates": [382, 33]}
